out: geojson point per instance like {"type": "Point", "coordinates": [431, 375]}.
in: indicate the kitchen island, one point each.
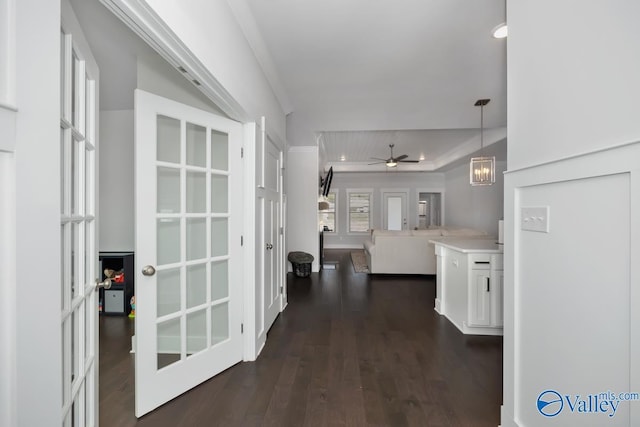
{"type": "Point", "coordinates": [469, 284]}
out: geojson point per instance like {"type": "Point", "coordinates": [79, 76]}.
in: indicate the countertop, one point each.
{"type": "Point", "coordinates": [470, 245]}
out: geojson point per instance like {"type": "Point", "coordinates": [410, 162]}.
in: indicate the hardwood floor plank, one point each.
{"type": "Point", "coordinates": [351, 349]}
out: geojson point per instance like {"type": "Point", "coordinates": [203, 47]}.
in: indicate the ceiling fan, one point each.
{"type": "Point", "coordinates": [392, 162]}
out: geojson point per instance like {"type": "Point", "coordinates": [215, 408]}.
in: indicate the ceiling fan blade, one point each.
{"type": "Point", "coordinates": [377, 158]}
{"type": "Point", "coordinates": [399, 158]}
{"type": "Point", "coordinates": [377, 163]}
{"type": "Point", "coordinates": [409, 161]}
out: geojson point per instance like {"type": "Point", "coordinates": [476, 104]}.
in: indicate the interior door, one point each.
{"type": "Point", "coordinates": [78, 152]}
{"type": "Point", "coordinates": [394, 210]}
{"type": "Point", "coordinates": [271, 230]}
{"type": "Point", "coordinates": [188, 248]}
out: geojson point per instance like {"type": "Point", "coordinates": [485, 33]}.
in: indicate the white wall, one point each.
{"type": "Point", "coordinates": [210, 31]}
{"type": "Point", "coordinates": [478, 207]}
{"type": "Point", "coordinates": [116, 216]}
{"type": "Point", "coordinates": [412, 182]}
{"type": "Point", "coordinates": [570, 293]}
{"type": "Point", "coordinates": [302, 202]}
{"type": "Point", "coordinates": [156, 76]}
{"type": "Point", "coordinates": [117, 186]}
{"type": "Point", "coordinates": [576, 89]}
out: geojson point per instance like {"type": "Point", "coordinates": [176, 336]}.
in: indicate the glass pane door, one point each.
{"type": "Point", "coordinates": [77, 235]}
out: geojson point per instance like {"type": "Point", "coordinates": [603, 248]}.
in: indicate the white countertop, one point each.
{"type": "Point", "coordinates": [470, 245]}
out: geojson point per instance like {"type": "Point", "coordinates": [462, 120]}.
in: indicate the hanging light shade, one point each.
{"type": "Point", "coordinates": [482, 170]}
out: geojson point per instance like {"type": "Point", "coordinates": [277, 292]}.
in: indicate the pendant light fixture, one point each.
{"type": "Point", "coordinates": [482, 170]}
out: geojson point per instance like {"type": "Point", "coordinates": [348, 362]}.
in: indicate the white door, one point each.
{"type": "Point", "coordinates": [394, 210]}
{"type": "Point", "coordinates": [188, 248]}
{"type": "Point", "coordinates": [78, 160]}
{"type": "Point", "coordinates": [271, 229]}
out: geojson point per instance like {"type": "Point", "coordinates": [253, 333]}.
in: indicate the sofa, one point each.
{"type": "Point", "coordinates": [408, 251]}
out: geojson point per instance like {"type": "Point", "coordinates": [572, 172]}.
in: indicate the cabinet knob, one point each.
{"type": "Point", "coordinates": [148, 270]}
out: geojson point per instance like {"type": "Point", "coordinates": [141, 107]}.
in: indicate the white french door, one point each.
{"type": "Point", "coordinates": [188, 248]}
{"type": "Point", "coordinates": [78, 152]}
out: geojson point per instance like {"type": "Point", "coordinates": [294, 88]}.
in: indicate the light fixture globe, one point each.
{"type": "Point", "coordinates": [392, 164]}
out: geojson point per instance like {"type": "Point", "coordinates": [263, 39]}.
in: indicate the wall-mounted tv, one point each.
{"type": "Point", "coordinates": [325, 183]}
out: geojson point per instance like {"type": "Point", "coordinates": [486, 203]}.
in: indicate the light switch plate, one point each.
{"type": "Point", "coordinates": [535, 218]}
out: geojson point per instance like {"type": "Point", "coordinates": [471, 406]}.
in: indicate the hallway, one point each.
{"type": "Point", "coordinates": [350, 349]}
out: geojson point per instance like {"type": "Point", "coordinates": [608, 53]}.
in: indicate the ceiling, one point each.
{"type": "Point", "coordinates": [356, 75]}
{"type": "Point", "coordinates": [363, 74]}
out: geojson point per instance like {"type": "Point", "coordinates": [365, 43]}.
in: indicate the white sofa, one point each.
{"type": "Point", "coordinates": [408, 251]}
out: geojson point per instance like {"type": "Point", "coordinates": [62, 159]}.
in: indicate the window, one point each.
{"type": "Point", "coordinates": [359, 211]}
{"type": "Point", "coordinates": [327, 217]}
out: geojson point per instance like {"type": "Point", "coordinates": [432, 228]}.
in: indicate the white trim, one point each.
{"type": "Point", "coordinates": [8, 313]}
{"type": "Point", "coordinates": [8, 55]}
{"type": "Point", "coordinates": [440, 191]}
{"type": "Point", "coordinates": [348, 192]}
{"type": "Point", "coordinates": [619, 159]}
{"type": "Point", "coordinates": [251, 345]}
{"type": "Point", "coordinates": [141, 18]}
{"type": "Point", "coordinates": [7, 106]}
{"type": "Point", "coordinates": [407, 195]}
{"type": "Point", "coordinates": [575, 156]}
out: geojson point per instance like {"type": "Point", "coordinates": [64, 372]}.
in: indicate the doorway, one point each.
{"type": "Point", "coordinates": [394, 210]}
{"type": "Point", "coordinates": [429, 210]}
{"type": "Point", "coordinates": [133, 63]}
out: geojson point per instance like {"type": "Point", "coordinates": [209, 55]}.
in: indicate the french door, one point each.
{"type": "Point", "coordinates": [188, 248]}
{"type": "Point", "coordinates": [78, 152]}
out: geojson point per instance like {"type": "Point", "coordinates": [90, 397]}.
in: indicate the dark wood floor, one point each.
{"type": "Point", "coordinates": [351, 349]}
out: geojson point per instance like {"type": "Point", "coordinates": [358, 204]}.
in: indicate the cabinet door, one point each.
{"type": "Point", "coordinates": [497, 296]}
{"type": "Point", "coordinates": [480, 298]}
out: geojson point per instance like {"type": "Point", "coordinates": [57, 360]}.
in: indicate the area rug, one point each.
{"type": "Point", "coordinates": [359, 261]}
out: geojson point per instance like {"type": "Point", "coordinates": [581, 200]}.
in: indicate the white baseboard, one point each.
{"type": "Point", "coordinates": [437, 306]}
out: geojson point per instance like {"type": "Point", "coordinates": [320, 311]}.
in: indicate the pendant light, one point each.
{"type": "Point", "coordinates": [482, 170]}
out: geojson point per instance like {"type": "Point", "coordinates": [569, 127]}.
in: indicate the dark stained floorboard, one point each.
{"type": "Point", "coordinates": [350, 349]}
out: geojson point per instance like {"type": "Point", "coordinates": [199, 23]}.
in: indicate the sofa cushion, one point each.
{"type": "Point", "coordinates": [392, 232]}
{"type": "Point", "coordinates": [386, 233]}
{"type": "Point", "coordinates": [427, 233]}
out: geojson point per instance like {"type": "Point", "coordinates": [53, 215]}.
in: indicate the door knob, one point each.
{"type": "Point", "coordinates": [269, 246]}
{"type": "Point", "coordinates": [105, 284]}
{"type": "Point", "coordinates": [148, 270]}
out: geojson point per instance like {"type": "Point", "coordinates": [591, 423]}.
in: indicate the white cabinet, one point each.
{"type": "Point", "coordinates": [470, 286]}
{"type": "Point", "coordinates": [485, 291]}
{"type": "Point", "coordinates": [480, 298]}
